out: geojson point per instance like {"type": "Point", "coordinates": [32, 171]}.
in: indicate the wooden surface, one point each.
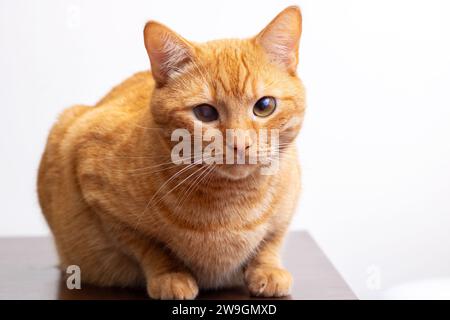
{"type": "Point", "coordinates": [28, 271]}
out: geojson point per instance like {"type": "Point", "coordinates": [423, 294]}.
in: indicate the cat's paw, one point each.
{"type": "Point", "coordinates": [268, 281]}
{"type": "Point", "coordinates": [176, 285]}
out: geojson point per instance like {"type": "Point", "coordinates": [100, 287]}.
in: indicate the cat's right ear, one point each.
{"type": "Point", "coordinates": [281, 38]}
{"type": "Point", "coordinates": [169, 53]}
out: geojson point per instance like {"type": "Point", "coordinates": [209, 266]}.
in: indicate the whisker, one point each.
{"type": "Point", "coordinates": [180, 183]}
{"type": "Point", "coordinates": [190, 189]}
{"type": "Point", "coordinates": [179, 172]}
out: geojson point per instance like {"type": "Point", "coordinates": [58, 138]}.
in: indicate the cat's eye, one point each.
{"type": "Point", "coordinates": [265, 106]}
{"type": "Point", "coordinates": [206, 113]}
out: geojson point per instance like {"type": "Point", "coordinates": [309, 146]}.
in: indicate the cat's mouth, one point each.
{"type": "Point", "coordinates": [236, 171]}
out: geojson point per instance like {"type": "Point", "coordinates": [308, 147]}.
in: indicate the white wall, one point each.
{"type": "Point", "coordinates": [375, 147]}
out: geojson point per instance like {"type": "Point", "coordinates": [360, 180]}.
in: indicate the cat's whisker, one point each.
{"type": "Point", "coordinates": [210, 176]}
{"type": "Point", "coordinates": [141, 174]}
{"type": "Point", "coordinates": [131, 157]}
{"type": "Point", "coordinates": [158, 165]}
{"type": "Point", "coordinates": [171, 164]}
{"type": "Point", "coordinates": [180, 183]}
{"type": "Point", "coordinates": [208, 172]}
{"type": "Point", "coordinates": [179, 172]}
{"type": "Point", "coordinates": [190, 189]}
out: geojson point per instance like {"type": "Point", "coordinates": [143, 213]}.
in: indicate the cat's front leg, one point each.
{"type": "Point", "coordinates": [173, 285]}
{"type": "Point", "coordinates": [264, 274]}
{"type": "Point", "coordinates": [166, 276]}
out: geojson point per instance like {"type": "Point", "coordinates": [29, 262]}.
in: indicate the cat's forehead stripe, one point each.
{"type": "Point", "coordinates": [234, 77]}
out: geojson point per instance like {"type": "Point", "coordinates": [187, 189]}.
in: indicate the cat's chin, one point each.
{"type": "Point", "coordinates": [236, 172]}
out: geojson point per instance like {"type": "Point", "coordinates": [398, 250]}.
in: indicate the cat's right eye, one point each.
{"type": "Point", "coordinates": [206, 113]}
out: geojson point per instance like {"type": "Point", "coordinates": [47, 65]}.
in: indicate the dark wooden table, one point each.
{"type": "Point", "coordinates": [28, 271]}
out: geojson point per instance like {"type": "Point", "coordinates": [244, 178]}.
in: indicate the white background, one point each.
{"type": "Point", "coordinates": [375, 147]}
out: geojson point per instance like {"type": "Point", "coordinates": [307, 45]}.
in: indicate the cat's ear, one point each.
{"type": "Point", "coordinates": [169, 53]}
{"type": "Point", "coordinates": [281, 38]}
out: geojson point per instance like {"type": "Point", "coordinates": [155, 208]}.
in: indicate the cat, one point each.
{"type": "Point", "coordinates": [121, 210]}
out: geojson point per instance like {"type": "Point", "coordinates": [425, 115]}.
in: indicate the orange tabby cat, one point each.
{"type": "Point", "coordinates": [128, 216]}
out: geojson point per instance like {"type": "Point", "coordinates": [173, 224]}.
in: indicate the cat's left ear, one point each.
{"type": "Point", "coordinates": [281, 38]}
{"type": "Point", "coordinates": [169, 53]}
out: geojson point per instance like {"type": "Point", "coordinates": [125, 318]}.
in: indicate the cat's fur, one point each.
{"type": "Point", "coordinates": [116, 205]}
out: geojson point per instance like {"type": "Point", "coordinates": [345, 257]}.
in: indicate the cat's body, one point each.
{"type": "Point", "coordinates": [128, 217]}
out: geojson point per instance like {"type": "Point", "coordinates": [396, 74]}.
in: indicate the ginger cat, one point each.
{"type": "Point", "coordinates": [122, 211]}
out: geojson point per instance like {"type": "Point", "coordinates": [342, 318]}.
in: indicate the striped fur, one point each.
{"type": "Point", "coordinates": [127, 216]}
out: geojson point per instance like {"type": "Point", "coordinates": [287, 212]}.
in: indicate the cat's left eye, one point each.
{"type": "Point", "coordinates": [265, 106]}
{"type": "Point", "coordinates": [206, 113]}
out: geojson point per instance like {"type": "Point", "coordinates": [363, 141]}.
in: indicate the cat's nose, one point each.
{"type": "Point", "coordinates": [244, 146]}
{"type": "Point", "coordinates": [240, 145]}
{"type": "Point", "coordinates": [240, 142]}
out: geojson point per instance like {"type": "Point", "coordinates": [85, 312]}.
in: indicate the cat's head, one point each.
{"type": "Point", "coordinates": [249, 84]}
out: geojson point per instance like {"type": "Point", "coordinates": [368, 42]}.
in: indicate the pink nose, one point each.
{"type": "Point", "coordinates": [243, 142]}
{"type": "Point", "coordinates": [244, 146]}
